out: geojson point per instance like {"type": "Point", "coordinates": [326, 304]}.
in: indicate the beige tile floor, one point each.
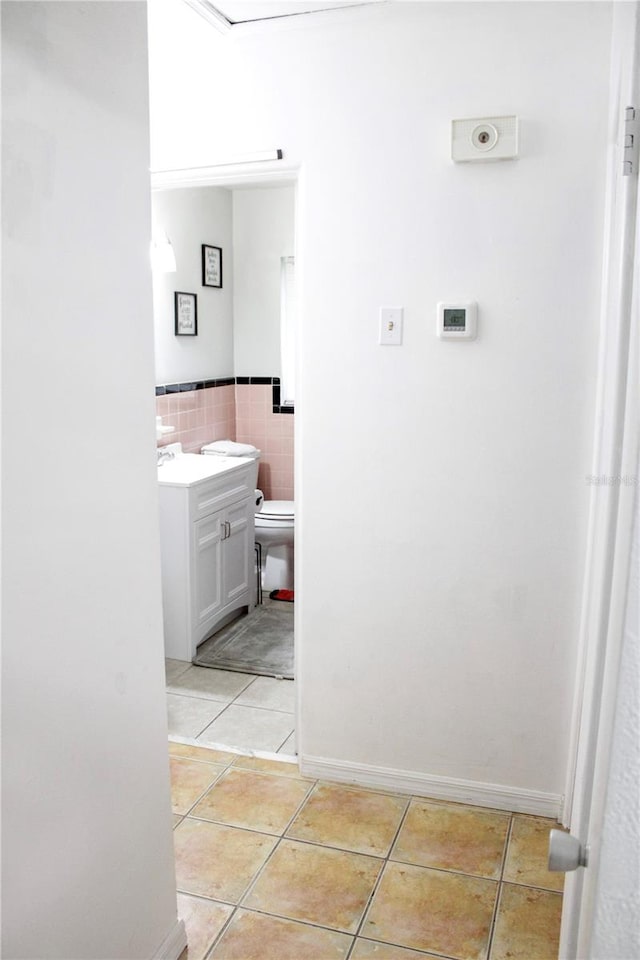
{"type": "Point", "coordinates": [274, 866]}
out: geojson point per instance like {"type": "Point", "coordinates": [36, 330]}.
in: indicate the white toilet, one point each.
{"type": "Point", "coordinates": [274, 522]}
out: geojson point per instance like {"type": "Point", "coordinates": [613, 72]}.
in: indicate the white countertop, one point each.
{"type": "Point", "coordinates": [187, 469]}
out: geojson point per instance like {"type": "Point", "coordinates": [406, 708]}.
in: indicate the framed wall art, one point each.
{"type": "Point", "coordinates": [211, 266]}
{"type": "Point", "coordinates": [186, 314]}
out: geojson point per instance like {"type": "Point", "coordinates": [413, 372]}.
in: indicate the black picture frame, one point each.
{"type": "Point", "coordinates": [185, 309]}
{"type": "Point", "coordinates": [211, 266]}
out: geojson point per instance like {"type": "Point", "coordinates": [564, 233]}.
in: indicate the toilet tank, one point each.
{"type": "Point", "coordinates": [230, 448]}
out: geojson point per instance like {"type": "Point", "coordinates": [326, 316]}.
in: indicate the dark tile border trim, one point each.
{"type": "Point", "coordinates": [165, 388]}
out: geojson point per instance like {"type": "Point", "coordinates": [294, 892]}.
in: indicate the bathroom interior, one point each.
{"type": "Point", "coordinates": [225, 390]}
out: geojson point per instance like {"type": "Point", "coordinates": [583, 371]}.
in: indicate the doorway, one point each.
{"type": "Point", "coordinates": [237, 368]}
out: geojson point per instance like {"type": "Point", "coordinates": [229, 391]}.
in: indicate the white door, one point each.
{"type": "Point", "coordinates": [612, 501]}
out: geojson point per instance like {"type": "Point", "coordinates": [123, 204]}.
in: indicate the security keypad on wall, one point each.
{"type": "Point", "coordinates": [458, 321]}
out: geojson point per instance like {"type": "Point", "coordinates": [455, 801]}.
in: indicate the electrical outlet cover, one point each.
{"type": "Point", "coordinates": [484, 138]}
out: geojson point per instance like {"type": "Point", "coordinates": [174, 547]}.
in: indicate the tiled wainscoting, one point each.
{"type": "Point", "coordinates": [270, 432]}
{"type": "Point", "coordinates": [199, 416]}
{"type": "Point", "coordinates": [245, 412]}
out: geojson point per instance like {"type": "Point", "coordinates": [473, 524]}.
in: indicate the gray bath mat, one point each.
{"type": "Point", "coordinates": [261, 643]}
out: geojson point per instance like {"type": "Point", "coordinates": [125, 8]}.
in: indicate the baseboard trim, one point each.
{"type": "Point", "coordinates": [173, 944]}
{"type": "Point", "coordinates": [473, 792]}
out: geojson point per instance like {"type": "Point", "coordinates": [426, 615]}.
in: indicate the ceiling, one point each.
{"type": "Point", "coordinates": [240, 11]}
{"type": "Point", "coordinates": [247, 11]}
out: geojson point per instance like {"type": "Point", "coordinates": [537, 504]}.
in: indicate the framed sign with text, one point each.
{"type": "Point", "coordinates": [211, 266]}
{"type": "Point", "coordinates": [186, 314]}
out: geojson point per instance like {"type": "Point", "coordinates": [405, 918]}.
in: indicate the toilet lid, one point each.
{"type": "Point", "coordinates": [274, 509]}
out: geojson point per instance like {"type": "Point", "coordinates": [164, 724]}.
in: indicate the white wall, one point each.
{"type": "Point", "coordinates": [87, 852]}
{"type": "Point", "coordinates": [191, 217]}
{"type": "Point", "coordinates": [441, 495]}
{"type": "Point", "coordinates": [263, 232]}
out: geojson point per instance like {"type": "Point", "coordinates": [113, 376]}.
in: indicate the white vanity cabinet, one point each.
{"type": "Point", "coordinates": [207, 547]}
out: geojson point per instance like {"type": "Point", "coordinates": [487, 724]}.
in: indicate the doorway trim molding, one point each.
{"type": "Point", "coordinates": [611, 510]}
{"type": "Point", "coordinates": [227, 174]}
{"type": "Point", "coordinates": [257, 174]}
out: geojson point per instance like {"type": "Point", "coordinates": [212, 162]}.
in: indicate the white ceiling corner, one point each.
{"type": "Point", "coordinates": [226, 14]}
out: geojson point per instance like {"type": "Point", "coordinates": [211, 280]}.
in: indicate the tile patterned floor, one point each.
{"type": "Point", "coordinates": [271, 865]}
{"type": "Point", "coordinates": [235, 710]}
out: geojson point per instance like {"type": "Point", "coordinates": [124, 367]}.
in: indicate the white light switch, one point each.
{"type": "Point", "coordinates": [391, 326]}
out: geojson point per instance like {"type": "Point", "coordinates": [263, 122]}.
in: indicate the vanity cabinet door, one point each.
{"type": "Point", "coordinates": [239, 549]}
{"type": "Point", "coordinates": [208, 567]}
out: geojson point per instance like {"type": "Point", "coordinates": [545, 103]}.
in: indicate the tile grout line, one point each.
{"type": "Point", "coordinates": [213, 670]}
{"type": "Point", "coordinates": [388, 860]}
{"type": "Point", "coordinates": [496, 908]}
{"type": "Point", "coordinates": [221, 933]}
{"type": "Point", "coordinates": [305, 923]}
{"type": "Point", "coordinates": [385, 861]}
{"type": "Point", "coordinates": [281, 837]}
{"type": "Point", "coordinates": [226, 705]}
{"type": "Point", "coordinates": [203, 698]}
{"type": "Point", "coordinates": [313, 786]}
{"type": "Point", "coordinates": [204, 792]}
{"type": "Point", "coordinates": [271, 773]}
{"type": "Point", "coordinates": [234, 826]}
{"type": "Point", "coordinates": [252, 883]}
{"type": "Point", "coordinates": [180, 756]}
{"type": "Point", "coordinates": [206, 727]}
{"type": "Point", "coordinates": [424, 953]}
{"type": "Point", "coordinates": [447, 870]}
{"type": "Point", "coordinates": [205, 898]}
{"type": "Point", "coordinates": [264, 710]}
{"type": "Point", "coordinates": [285, 740]}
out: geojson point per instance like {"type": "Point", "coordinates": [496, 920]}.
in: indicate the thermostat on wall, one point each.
{"type": "Point", "coordinates": [458, 321]}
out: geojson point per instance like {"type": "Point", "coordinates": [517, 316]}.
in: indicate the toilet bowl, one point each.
{"type": "Point", "coordinates": [275, 531]}
{"type": "Point", "coordinates": [274, 522]}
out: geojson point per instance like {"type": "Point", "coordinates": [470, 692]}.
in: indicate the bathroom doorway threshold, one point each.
{"type": "Point", "coordinates": [260, 643]}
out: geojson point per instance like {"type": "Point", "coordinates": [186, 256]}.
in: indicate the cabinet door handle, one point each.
{"type": "Point", "coordinates": [227, 530]}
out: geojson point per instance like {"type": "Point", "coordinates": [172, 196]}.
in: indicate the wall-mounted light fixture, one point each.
{"type": "Point", "coordinates": [163, 258]}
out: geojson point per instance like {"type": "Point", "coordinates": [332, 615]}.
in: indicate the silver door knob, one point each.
{"type": "Point", "coordinates": [566, 852]}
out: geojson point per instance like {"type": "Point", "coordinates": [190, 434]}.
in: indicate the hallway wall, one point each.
{"type": "Point", "coordinates": [441, 495]}
{"type": "Point", "coordinates": [86, 820]}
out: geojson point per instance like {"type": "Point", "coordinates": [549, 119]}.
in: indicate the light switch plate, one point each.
{"type": "Point", "coordinates": [391, 326]}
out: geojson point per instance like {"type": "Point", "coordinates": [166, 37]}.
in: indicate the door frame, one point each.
{"type": "Point", "coordinates": [612, 502]}
{"type": "Point", "coordinates": [256, 172]}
